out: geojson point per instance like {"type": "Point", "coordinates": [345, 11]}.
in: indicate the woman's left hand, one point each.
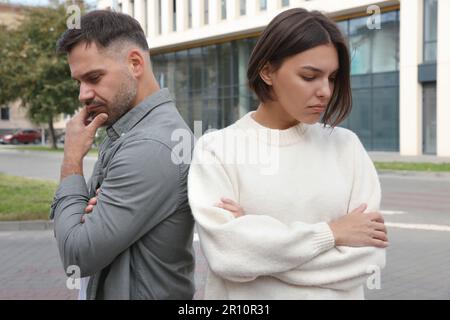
{"type": "Point", "coordinates": [231, 206]}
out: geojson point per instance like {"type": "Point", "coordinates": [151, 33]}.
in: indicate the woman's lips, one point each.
{"type": "Point", "coordinates": [318, 109]}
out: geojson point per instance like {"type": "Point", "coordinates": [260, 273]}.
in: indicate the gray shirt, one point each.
{"type": "Point", "coordinates": [137, 242]}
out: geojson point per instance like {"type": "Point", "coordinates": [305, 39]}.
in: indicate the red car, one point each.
{"type": "Point", "coordinates": [23, 136]}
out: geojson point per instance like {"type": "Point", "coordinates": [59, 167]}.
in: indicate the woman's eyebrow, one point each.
{"type": "Point", "coordinates": [311, 68]}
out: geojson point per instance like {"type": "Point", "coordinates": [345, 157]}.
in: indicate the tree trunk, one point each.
{"type": "Point", "coordinates": [52, 133]}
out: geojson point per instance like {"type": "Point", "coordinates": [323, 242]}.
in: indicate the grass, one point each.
{"type": "Point", "coordinates": [30, 199]}
{"type": "Point", "coordinates": [92, 152]}
{"type": "Point", "coordinates": [412, 166]}
{"type": "Point", "coordinates": [25, 199]}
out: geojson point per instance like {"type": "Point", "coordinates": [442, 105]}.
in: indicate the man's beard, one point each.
{"type": "Point", "coordinates": [122, 101]}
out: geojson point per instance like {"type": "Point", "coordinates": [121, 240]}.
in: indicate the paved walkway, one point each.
{"type": "Point", "coordinates": [30, 267]}
{"type": "Point", "coordinates": [395, 156]}
{"type": "Point", "coordinates": [417, 267]}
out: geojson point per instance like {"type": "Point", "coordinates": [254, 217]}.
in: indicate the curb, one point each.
{"type": "Point", "coordinates": [26, 225]}
{"type": "Point", "coordinates": [416, 174]}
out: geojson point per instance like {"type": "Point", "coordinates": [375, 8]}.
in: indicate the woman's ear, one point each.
{"type": "Point", "coordinates": [266, 74]}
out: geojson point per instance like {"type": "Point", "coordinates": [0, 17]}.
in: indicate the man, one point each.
{"type": "Point", "coordinates": [136, 242]}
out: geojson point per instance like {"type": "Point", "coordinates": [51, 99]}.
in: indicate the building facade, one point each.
{"type": "Point", "coordinates": [399, 50]}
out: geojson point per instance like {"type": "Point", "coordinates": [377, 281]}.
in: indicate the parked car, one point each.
{"type": "Point", "coordinates": [22, 136]}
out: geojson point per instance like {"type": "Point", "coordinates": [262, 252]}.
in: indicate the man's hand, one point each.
{"type": "Point", "coordinates": [231, 206]}
{"type": "Point", "coordinates": [91, 203]}
{"type": "Point", "coordinates": [78, 140]}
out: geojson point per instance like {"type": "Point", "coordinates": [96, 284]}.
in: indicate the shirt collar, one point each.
{"type": "Point", "coordinates": [132, 117]}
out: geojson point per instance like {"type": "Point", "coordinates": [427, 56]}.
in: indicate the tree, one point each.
{"type": "Point", "coordinates": [30, 69]}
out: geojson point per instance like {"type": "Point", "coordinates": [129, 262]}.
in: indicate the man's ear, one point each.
{"type": "Point", "coordinates": [136, 62]}
{"type": "Point", "coordinates": [266, 74]}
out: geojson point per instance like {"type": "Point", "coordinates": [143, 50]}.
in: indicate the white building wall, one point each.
{"type": "Point", "coordinates": [234, 24]}
{"type": "Point", "coordinates": [140, 14]}
{"type": "Point", "coordinates": [443, 80]}
{"type": "Point", "coordinates": [411, 44]}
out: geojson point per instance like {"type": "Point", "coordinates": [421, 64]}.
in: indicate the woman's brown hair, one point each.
{"type": "Point", "coordinates": [294, 31]}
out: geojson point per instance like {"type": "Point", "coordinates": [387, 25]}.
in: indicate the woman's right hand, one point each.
{"type": "Point", "coordinates": [359, 229]}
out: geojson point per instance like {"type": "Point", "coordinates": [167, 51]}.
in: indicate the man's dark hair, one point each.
{"type": "Point", "coordinates": [103, 27]}
{"type": "Point", "coordinates": [294, 31]}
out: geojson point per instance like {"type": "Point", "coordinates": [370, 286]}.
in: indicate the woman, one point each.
{"type": "Point", "coordinates": [286, 207]}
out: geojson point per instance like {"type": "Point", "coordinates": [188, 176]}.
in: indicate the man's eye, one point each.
{"type": "Point", "coordinates": [94, 78]}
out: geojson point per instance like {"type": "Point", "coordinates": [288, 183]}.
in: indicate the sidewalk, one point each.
{"type": "Point", "coordinates": [26, 225]}
{"type": "Point", "coordinates": [380, 156]}
{"type": "Point", "coordinates": [417, 267]}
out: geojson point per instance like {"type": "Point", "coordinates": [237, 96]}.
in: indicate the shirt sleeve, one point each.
{"type": "Point", "coordinates": [250, 246]}
{"type": "Point", "coordinates": [344, 268]}
{"type": "Point", "coordinates": [140, 189]}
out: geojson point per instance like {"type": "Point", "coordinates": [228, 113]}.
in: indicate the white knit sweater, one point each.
{"type": "Point", "coordinates": [289, 183]}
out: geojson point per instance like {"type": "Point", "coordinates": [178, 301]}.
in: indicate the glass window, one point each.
{"type": "Point", "coordinates": [206, 11]}
{"type": "Point", "coordinates": [180, 73]}
{"type": "Point", "coordinates": [189, 13]}
{"type": "Point", "coordinates": [430, 51]}
{"type": "Point", "coordinates": [223, 9]}
{"type": "Point", "coordinates": [374, 50]}
{"type": "Point", "coordinates": [4, 113]}
{"type": "Point", "coordinates": [195, 86]}
{"type": "Point", "coordinates": [360, 118]}
{"type": "Point", "coordinates": [225, 68]}
{"type": "Point", "coordinates": [285, 3]}
{"type": "Point", "coordinates": [375, 113]}
{"type": "Point", "coordinates": [242, 7]}
{"type": "Point", "coordinates": [262, 5]}
{"type": "Point", "coordinates": [343, 26]}
{"type": "Point", "coordinates": [429, 118]}
{"type": "Point", "coordinates": [360, 46]}
{"type": "Point", "coordinates": [159, 17]}
{"type": "Point", "coordinates": [430, 24]}
{"type": "Point", "coordinates": [385, 119]}
{"type": "Point", "coordinates": [210, 94]}
{"type": "Point", "coordinates": [174, 15]}
{"type": "Point", "coordinates": [385, 52]}
{"type": "Point", "coordinates": [430, 30]}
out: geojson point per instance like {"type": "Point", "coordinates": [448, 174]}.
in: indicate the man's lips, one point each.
{"type": "Point", "coordinates": [93, 106]}
{"type": "Point", "coordinates": [91, 109]}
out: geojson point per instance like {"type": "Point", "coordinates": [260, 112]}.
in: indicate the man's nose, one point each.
{"type": "Point", "coordinates": [86, 93]}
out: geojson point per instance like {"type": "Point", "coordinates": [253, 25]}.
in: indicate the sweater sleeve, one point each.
{"type": "Point", "coordinates": [343, 268]}
{"type": "Point", "coordinates": [250, 246]}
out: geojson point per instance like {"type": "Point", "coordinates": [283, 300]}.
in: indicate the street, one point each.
{"type": "Point", "coordinates": [416, 209]}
